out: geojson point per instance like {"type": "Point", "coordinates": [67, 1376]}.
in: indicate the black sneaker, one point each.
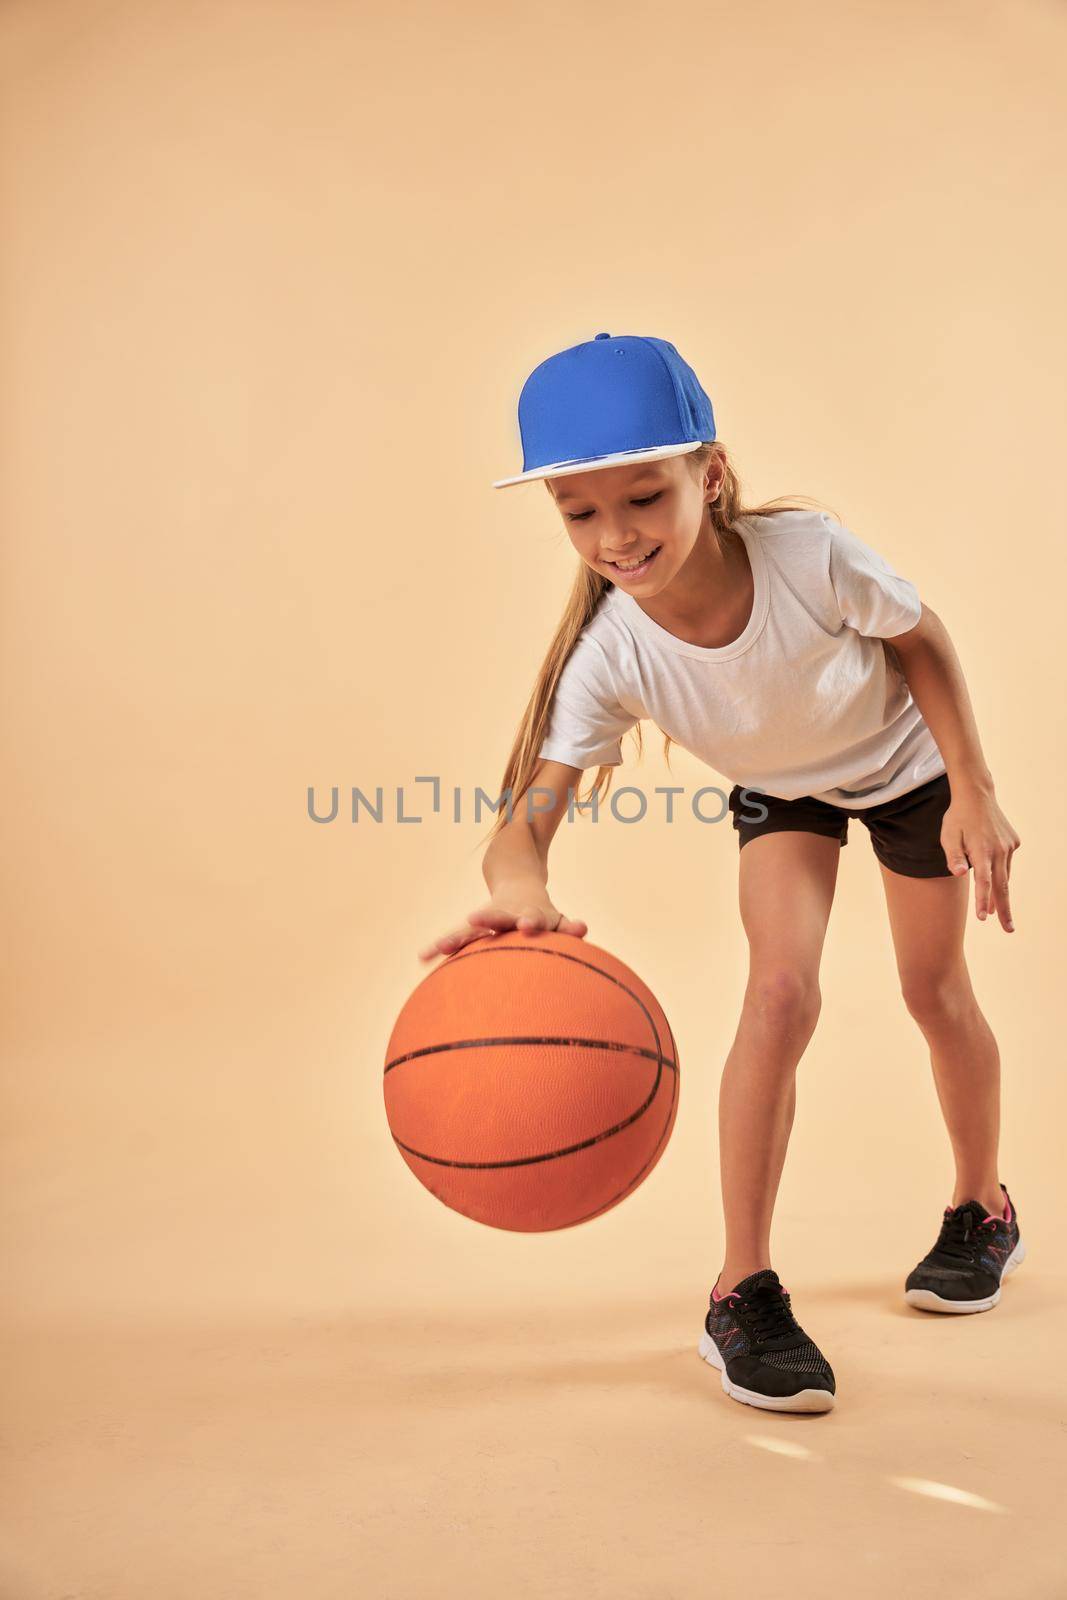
{"type": "Point", "coordinates": [765, 1357]}
{"type": "Point", "coordinates": [974, 1251]}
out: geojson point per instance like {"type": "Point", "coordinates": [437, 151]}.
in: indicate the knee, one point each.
{"type": "Point", "coordinates": [936, 998]}
{"type": "Point", "coordinates": [784, 998]}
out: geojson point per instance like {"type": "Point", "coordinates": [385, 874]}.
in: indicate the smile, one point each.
{"type": "Point", "coordinates": [638, 569]}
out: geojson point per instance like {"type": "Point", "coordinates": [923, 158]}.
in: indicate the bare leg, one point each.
{"type": "Point", "coordinates": [928, 918]}
{"type": "Point", "coordinates": [786, 888]}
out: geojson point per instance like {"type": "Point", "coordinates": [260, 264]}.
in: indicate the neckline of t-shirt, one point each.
{"type": "Point", "coordinates": [632, 612]}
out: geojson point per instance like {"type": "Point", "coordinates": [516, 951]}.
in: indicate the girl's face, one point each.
{"type": "Point", "coordinates": [651, 513]}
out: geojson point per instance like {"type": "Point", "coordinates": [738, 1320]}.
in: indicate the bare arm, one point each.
{"type": "Point", "coordinates": [929, 661]}
{"type": "Point", "coordinates": [515, 868]}
{"type": "Point", "coordinates": [520, 850]}
{"type": "Point", "coordinates": [975, 832]}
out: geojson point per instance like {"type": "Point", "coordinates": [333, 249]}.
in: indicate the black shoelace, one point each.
{"type": "Point", "coordinates": [769, 1315]}
{"type": "Point", "coordinates": [960, 1236]}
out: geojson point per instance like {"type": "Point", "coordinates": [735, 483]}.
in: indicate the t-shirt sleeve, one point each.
{"type": "Point", "coordinates": [586, 721]}
{"type": "Point", "coordinates": [873, 598]}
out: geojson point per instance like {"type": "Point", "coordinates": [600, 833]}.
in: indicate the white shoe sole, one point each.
{"type": "Point", "coordinates": [806, 1400]}
{"type": "Point", "coordinates": [927, 1300]}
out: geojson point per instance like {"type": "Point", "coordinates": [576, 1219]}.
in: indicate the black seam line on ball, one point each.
{"type": "Point", "coordinates": [549, 1155]}
{"type": "Point", "coordinates": [653, 1158]}
{"type": "Point", "coordinates": [555, 955]}
{"type": "Point", "coordinates": [607, 1133]}
{"type": "Point", "coordinates": [532, 1038]}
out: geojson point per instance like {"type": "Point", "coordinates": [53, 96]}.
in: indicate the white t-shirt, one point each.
{"type": "Point", "coordinates": [806, 701]}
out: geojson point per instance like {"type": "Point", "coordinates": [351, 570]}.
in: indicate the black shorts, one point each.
{"type": "Point", "coordinates": [905, 832]}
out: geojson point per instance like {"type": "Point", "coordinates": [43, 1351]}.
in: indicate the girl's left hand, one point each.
{"type": "Point", "coordinates": [976, 833]}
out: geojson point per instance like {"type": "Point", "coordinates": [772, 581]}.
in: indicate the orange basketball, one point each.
{"type": "Point", "coordinates": [531, 1081]}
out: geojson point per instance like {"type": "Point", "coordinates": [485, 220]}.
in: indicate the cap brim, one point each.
{"type": "Point", "coordinates": [564, 469]}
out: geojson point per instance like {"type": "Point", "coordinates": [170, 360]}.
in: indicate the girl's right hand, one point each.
{"type": "Point", "coordinates": [526, 910]}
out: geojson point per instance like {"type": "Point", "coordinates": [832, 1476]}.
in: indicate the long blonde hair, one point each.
{"type": "Point", "coordinates": [585, 595]}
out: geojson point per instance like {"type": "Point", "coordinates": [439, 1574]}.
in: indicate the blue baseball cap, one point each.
{"type": "Point", "coordinates": [612, 401]}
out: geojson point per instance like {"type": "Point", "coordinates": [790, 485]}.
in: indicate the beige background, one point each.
{"type": "Point", "coordinates": [272, 276]}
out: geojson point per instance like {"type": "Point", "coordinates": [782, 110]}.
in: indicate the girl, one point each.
{"type": "Point", "coordinates": [773, 644]}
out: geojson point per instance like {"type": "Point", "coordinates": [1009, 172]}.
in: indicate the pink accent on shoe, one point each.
{"type": "Point", "coordinates": [716, 1296]}
{"type": "Point", "coordinates": [1002, 1216]}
